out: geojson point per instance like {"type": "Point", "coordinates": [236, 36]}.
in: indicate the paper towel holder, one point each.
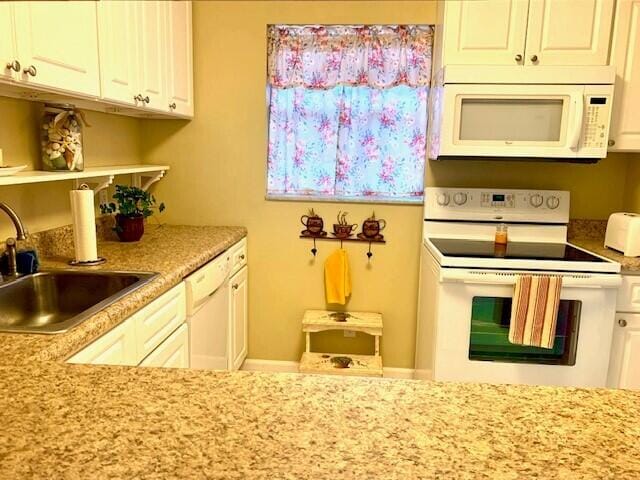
{"type": "Point", "coordinates": [86, 263]}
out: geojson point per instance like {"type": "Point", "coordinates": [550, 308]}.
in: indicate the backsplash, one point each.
{"type": "Point", "coordinates": [583, 228]}
{"type": "Point", "coordinates": [59, 241]}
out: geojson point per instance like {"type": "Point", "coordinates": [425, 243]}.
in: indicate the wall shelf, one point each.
{"type": "Point", "coordinates": [101, 176]}
{"type": "Point", "coordinates": [347, 239]}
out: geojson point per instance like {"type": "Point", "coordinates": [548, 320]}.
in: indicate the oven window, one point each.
{"type": "Point", "coordinates": [489, 340]}
{"type": "Point", "coordinates": [516, 120]}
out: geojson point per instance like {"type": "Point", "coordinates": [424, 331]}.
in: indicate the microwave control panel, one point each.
{"type": "Point", "coordinates": [596, 121]}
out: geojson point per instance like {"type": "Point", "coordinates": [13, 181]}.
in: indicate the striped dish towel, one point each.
{"type": "Point", "coordinates": [534, 310]}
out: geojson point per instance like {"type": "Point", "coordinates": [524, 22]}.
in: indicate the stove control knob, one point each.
{"type": "Point", "coordinates": [553, 202]}
{"type": "Point", "coordinates": [460, 198]}
{"type": "Point", "coordinates": [443, 199]}
{"type": "Point", "coordinates": [536, 200]}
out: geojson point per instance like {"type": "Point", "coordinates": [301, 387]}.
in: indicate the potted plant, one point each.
{"type": "Point", "coordinates": [133, 206]}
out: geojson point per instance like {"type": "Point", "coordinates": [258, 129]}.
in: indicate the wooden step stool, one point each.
{"type": "Point", "coordinates": [321, 320]}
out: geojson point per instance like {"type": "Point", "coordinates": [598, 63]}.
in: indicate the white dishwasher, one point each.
{"type": "Point", "coordinates": [208, 314]}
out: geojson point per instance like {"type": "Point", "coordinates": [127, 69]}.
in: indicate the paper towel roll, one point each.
{"type": "Point", "coordinates": [84, 225]}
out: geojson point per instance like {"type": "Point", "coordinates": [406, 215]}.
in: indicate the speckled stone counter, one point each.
{"type": "Point", "coordinates": [172, 251]}
{"type": "Point", "coordinates": [589, 234]}
{"type": "Point", "coordinates": [75, 421]}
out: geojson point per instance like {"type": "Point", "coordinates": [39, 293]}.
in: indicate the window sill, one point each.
{"type": "Point", "coordinates": [338, 199]}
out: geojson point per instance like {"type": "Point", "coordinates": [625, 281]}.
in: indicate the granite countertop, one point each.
{"type": "Point", "coordinates": [628, 265]}
{"type": "Point", "coordinates": [172, 251]}
{"type": "Point", "coordinates": [81, 421]}
{"type": "Point", "coordinates": [84, 421]}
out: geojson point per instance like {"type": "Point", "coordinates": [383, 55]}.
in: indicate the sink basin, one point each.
{"type": "Point", "coordinates": [55, 301]}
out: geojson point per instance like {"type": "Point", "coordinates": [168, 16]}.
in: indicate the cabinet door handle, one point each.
{"type": "Point", "coordinates": [172, 106]}
{"type": "Point", "coordinates": [138, 98]}
{"type": "Point", "coordinates": [534, 58]}
{"type": "Point", "coordinates": [15, 66]}
{"type": "Point", "coordinates": [242, 257]}
{"type": "Point", "coordinates": [611, 143]}
{"type": "Point", "coordinates": [518, 58]}
{"type": "Point", "coordinates": [235, 286]}
{"type": "Point", "coordinates": [146, 99]}
{"type": "Point", "coordinates": [622, 322]}
{"type": "Point", "coordinates": [30, 70]}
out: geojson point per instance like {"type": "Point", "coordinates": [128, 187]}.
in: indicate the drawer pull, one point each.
{"type": "Point", "coordinates": [235, 286]}
{"type": "Point", "coordinates": [622, 322]}
{"type": "Point", "coordinates": [242, 257]}
{"type": "Point", "coordinates": [30, 70]}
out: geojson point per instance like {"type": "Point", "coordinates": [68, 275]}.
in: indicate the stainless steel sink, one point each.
{"type": "Point", "coordinates": [55, 301]}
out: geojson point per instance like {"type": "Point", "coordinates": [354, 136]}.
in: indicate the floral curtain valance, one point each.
{"type": "Point", "coordinates": [322, 57]}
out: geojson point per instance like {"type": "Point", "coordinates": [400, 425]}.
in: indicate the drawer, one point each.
{"type": "Point", "coordinates": [629, 294]}
{"type": "Point", "coordinates": [172, 353]}
{"type": "Point", "coordinates": [156, 321]}
{"type": "Point", "coordinates": [238, 254]}
{"type": "Point", "coordinates": [116, 347]}
{"type": "Point", "coordinates": [206, 280]}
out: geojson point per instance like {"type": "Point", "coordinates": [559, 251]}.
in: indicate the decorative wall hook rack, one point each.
{"type": "Point", "coordinates": [370, 234]}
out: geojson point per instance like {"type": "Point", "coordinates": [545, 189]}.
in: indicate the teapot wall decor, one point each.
{"type": "Point", "coordinates": [342, 230]}
{"type": "Point", "coordinates": [372, 227]}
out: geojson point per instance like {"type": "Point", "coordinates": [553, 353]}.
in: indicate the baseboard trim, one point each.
{"type": "Point", "coordinates": [259, 365]}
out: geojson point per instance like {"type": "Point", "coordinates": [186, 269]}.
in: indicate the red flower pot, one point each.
{"type": "Point", "coordinates": [129, 229]}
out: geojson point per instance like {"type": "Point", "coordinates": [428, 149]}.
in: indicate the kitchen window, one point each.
{"type": "Point", "coordinates": [348, 112]}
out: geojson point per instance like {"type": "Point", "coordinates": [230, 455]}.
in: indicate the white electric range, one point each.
{"type": "Point", "coordinates": [467, 283]}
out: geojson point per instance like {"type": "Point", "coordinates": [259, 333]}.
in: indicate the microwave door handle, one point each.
{"type": "Point", "coordinates": [578, 118]}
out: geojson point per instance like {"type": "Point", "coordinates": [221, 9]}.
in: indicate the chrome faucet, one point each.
{"type": "Point", "coordinates": [21, 234]}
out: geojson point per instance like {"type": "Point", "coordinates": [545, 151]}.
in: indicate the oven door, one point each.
{"type": "Point", "coordinates": [473, 326]}
{"type": "Point", "coordinates": [512, 120]}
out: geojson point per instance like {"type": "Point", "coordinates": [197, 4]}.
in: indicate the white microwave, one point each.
{"type": "Point", "coordinates": [568, 122]}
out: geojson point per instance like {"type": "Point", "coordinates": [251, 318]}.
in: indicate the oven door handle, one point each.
{"type": "Point", "coordinates": [491, 278]}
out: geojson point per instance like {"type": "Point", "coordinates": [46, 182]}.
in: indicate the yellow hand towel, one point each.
{"type": "Point", "coordinates": [337, 277]}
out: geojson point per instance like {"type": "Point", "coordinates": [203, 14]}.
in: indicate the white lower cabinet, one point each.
{"type": "Point", "coordinates": [155, 335]}
{"type": "Point", "coordinates": [172, 353]}
{"type": "Point", "coordinates": [238, 312]}
{"type": "Point", "coordinates": [116, 347]}
{"type": "Point", "coordinates": [624, 367]}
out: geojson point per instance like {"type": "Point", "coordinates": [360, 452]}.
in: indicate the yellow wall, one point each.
{"type": "Point", "coordinates": [111, 140]}
{"type": "Point", "coordinates": [218, 176]}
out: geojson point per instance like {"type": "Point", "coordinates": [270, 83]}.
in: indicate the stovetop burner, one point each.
{"type": "Point", "coordinates": [450, 247]}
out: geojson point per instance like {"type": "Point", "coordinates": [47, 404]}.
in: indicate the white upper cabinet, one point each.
{"type": "Point", "coordinates": [57, 45]}
{"type": "Point", "coordinates": [485, 32]}
{"type": "Point", "coordinates": [180, 58]}
{"type": "Point", "coordinates": [526, 32]}
{"type": "Point", "coordinates": [625, 56]}
{"type": "Point", "coordinates": [569, 32]}
{"type": "Point", "coordinates": [9, 64]}
{"type": "Point", "coordinates": [152, 36]}
{"type": "Point", "coordinates": [118, 37]}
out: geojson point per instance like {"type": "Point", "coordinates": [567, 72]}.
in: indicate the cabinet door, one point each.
{"type": "Point", "coordinates": [152, 62]}
{"type": "Point", "coordinates": [116, 347]}
{"type": "Point", "coordinates": [569, 32]}
{"type": "Point", "coordinates": [7, 43]}
{"type": "Point", "coordinates": [59, 42]}
{"type": "Point", "coordinates": [485, 32]}
{"type": "Point", "coordinates": [180, 58]}
{"type": "Point", "coordinates": [239, 318]}
{"type": "Point", "coordinates": [624, 367]}
{"type": "Point", "coordinates": [172, 353]}
{"type": "Point", "coordinates": [625, 56]}
{"type": "Point", "coordinates": [117, 37]}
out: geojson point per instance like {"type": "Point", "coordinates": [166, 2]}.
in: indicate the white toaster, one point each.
{"type": "Point", "coordinates": [623, 233]}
